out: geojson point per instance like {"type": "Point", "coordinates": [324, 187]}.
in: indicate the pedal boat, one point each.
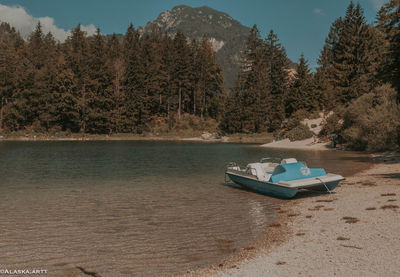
{"type": "Point", "coordinates": [282, 179]}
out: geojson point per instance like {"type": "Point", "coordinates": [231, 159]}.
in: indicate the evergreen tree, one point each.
{"type": "Point", "coordinates": [389, 24]}
{"type": "Point", "coordinates": [67, 102]}
{"type": "Point", "coordinates": [116, 64]}
{"type": "Point", "coordinates": [208, 90]}
{"type": "Point", "coordinates": [181, 81]}
{"type": "Point", "coordinates": [152, 51]}
{"type": "Point", "coordinates": [325, 72]}
{"type": "Point", "coordinates": [353, 73]}
{"type": "Point", "coordinates": [76, 53]}
{"type": "Point", "coordinates": [277, 65]}
{"type": "Point", "coordinates": [99, 87]}
{"type": "Point", "coordinates": [302, 93]}
{"type": "Point", "coordinates": [137, 112]}
{"type": "Point", "coordinates": [261, 87]}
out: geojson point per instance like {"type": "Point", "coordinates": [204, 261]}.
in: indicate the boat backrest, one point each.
{"type": "Point", "coordinates": [295, 171]}
{"type": "Point", "coordinates": [268, 167]}
{"type": "Point", "coordinates": [288, 161]}
{"type": "Point", "coordinates": [257, 169]}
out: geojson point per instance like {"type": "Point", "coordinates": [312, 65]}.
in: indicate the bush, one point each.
{"type": "Point", "coordinates": [188, 125]}
{"type": "Point", "coordinates": [372, 121]}
{"type": "Point", "coordinates": [296, 118]}
{"type": "Point", "coordinates": [333, 124]}
{"type": "Point", "coordinates": [299, 133]}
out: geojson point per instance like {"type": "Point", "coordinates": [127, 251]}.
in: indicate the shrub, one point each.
{"type": "Point", "coordinates": [372, 121]}
{"type": "Point", "coordinates": [296, 118]}
{"type": "Point", "coordinates": [187, 125]}
{"type": "Point", "coordinates": [299, 133]}
{"type": "Point", "coordinates": [333, 123]}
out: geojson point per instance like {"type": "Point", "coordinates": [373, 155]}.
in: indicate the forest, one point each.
{"type": "Point", "coordinates": [108, 85]}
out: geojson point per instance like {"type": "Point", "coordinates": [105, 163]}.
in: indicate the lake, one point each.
{"type": "Point", "coordinates": [124, 208]}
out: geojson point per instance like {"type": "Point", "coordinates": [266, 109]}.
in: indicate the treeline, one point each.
{"type": "Point", "coordinates": [109, 85]}
{"type": "Point", "coordinates": [101, 84]}
{"type": "Point", "coordinates": [358, 78]}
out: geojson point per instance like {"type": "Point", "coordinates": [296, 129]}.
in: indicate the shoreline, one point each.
{"type": "Point", "coordinates": [307, 144]}
{"type": "Point", "coordinates": [340, 234]}
{"type": "Point", "coordinates": [208, 138]}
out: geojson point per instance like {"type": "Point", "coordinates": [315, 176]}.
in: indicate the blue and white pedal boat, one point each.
{"type": "Point", "coordinates": [282, 179]}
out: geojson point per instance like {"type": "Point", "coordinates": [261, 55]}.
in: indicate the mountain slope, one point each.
{"type": "Point", "coordinates": [227, 36]}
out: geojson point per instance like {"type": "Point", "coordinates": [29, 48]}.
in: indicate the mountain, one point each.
{"type": "Point", "coordinates": [227, 36]}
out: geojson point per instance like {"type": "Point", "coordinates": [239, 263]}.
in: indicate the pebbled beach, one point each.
{"type": "Point", "coordinates": [352, 232]}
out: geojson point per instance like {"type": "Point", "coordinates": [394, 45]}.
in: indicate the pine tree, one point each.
{"type": "Point", "coordinates": [168, 97]}
{"type": "Point", "coordinates": [389, 24]}
{"type": "Point", "coordinates": [260, 88]}
{"type": "Point", "coordinates": [325, 72]}
{"type": "Point", "coordinates": [117, 66]}
{"type": "Point", "coordinates": [11, 45]}
{"type": "Point", "coordinates": [251, 81]}
{"type": "Point", "coordinates": [302, 93]}
{"type": "Point", "coordinates": [277, 65]}
{"type": "Point", "coordinates": [99, 87]}
{"type": "Point", "coordinates": [353, 74]}
{"type": "Point", "coordinates": [67, 102]}
{"type": "Point", "coordinates": [208, 90]}
{"type": "Point", "coordinates": [137, 112]}
{"type": "Point", "coordinates": [181, 81]}
{"type": "Point", "coordinates": [152, 51]}
{"type": "Point", "coordinates": [76, 53]}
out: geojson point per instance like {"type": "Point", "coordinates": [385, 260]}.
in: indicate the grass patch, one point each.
{"type": "Point", "coordinates": [388, 194]}
{"type": "Point", "coordinates": [316, 208]}
{"type": "Point", "coordinates": [349, 219]}
{"type": "Point", "coordinates": [292, 215]}
{"type": "Point", "coordinates": [389, 207]}
{"type": "Point", "coordinates": [275, 225]}
{"type": "Point", "coordinates": [368, 184]}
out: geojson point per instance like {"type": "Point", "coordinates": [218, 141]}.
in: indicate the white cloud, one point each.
{"type": "Point", "coordinates": [377, 4]}
{"type": "Point", "coordinates": [318, 11]}
{"type": "Point", "coordinates": [25, 23]}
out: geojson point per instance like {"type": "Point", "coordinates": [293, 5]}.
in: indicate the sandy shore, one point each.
{"type": "Point", "coordinates": [299, 144]}
{"type": "Point", "coordinates": [351, 232]}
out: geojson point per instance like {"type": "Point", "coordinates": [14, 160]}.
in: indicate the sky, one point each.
{"type": "Point", "coordinates": [301, 25]}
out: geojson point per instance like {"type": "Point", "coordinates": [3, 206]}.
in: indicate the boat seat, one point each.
{"type": "Point", "coordinates": [257, 169]}
{"type": "Point", "coordinates": [268, 167]}
{"type": "Point", "coordinates": [288, 161]}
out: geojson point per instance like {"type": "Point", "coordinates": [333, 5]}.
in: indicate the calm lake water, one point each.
{"type": "Point", "coordinates": [129, 208]}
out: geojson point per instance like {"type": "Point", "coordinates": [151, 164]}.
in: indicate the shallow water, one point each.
{"type": "Point", "coordinates": [129, 208]}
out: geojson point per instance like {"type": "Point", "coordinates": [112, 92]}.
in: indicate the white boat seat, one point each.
{"type": "Point", "coordinates": [257, 169]}
{"type": "Point", "coordinates": [268, 167]}
{"type": "Point", "coordinates": [289, 161]}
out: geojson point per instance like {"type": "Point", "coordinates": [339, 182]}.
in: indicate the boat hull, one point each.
{"type": "Point", "coordinates": [263, 187]}
{"type": "Point", "coordinates": [275, 189]}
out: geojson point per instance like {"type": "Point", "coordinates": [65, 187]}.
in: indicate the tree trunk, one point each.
{"type": "Point", "coordinates": [179, 104]}
{"type": "Point", "coordinates": [194, 102]}
{"type": "Point", "coordinates": [83, 123]}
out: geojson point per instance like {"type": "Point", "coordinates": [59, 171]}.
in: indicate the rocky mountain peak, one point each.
{"type": "Point", "coordinates": [227, 36]}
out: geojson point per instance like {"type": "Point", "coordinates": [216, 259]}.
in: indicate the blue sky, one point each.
{"type": "Point", "coordinates": [301, 25]}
